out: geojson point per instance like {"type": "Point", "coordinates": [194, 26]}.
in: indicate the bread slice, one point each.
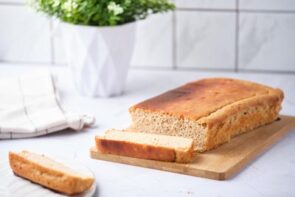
{"type": "Point", "coordinates": [48, 173]}
{"type": "Point", "coordinates": [146, 146]}
{"type": "Point", "coordinates": [211, 111]}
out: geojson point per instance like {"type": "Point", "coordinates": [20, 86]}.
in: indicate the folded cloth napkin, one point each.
{"type": "Point", "coordinates": [29, 107]}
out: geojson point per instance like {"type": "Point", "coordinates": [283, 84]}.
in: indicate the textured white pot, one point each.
{"type": "Point", "coordinates": [99, 57]}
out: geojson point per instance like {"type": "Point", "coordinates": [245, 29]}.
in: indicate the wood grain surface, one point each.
{"type": "Point", "coordinates": [223, 162]}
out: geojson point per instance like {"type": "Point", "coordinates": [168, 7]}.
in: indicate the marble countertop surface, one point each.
{"type": "Point", "coordinates": [271, 174]}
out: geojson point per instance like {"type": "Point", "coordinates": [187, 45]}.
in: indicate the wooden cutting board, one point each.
{"type": "Point", "coordinates": [223, 162]}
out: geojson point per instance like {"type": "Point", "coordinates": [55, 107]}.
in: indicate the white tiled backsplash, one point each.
{"type": "Point", "coordinates": [255, 35]}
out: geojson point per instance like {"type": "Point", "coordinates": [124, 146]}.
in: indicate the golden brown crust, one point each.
{"type": "Point", "coordinates": [240, 117]}
{"type": "Point", "coordinates": [201, 98]}
{"type": "Point", "coordinates": [142, 151]}
{"type": "Point", "coordinates": [185, 156]}
{"type": "Point", "coordinates": [273, 98]}
{"type": "Point", "coordinates": [49, 178]}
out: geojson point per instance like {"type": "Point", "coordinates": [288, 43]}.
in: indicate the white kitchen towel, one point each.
{"type": "Point", "coordinates": [29, 107]}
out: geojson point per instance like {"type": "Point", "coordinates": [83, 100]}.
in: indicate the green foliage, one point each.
{"type": "Point", "coordinates": [101, 12]}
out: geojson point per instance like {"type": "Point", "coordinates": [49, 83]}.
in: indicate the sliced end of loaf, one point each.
{"type": "Point", "coordinates": [146, 146]}
{"type": "Point", "coordinates": [157, 123]}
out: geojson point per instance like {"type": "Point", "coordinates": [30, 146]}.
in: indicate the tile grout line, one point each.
{"type": "Point", "coordinates": [258, 11]}
{"type": "Point", "coordinates": [25, 62]}
{"type": "Point", "coordinates": [268, 71]}
{"type": "Point", "coordinates": [174, 44]}
{"type": "Point", "coordinates": [13, 3]}
{"type": "Point", "coordinates": [160, 68]}
{"type": "Point", "coordinates": [237, 39]}
{"type": "Point", "coordinates": [52, 56]}
{"type": "Point", "coordinates": [205, 9]}
{"type": "Point", "coordinates": [261, 11]}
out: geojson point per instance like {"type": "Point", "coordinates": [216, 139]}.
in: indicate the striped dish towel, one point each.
{"type": "Point", "coordinates": [29, 107]}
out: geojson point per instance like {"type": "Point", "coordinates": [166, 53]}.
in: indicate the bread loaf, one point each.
{"type": "Point", "coordinates": [210, 111]}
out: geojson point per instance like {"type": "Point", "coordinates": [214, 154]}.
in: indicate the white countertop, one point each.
{"type": "Point", "coordinates": [272, 174]}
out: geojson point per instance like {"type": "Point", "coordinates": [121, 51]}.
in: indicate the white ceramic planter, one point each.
{"type": "Point", "coordinates": [99, 57]}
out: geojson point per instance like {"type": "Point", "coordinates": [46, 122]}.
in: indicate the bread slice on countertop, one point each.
{"type": "Point", "coordinates": [211, 111]}
{"type": "Point", "coordinates": [49, 173]}
{"type": "Point", "coordinates": [146, 146]}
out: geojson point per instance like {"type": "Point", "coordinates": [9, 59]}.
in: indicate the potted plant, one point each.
{"type": "Point", "coordinates": [98, 36]}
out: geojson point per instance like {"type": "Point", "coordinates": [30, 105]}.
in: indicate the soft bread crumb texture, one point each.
{"type": "Point", "coordinates": [146, 146]}
{"type": "Point", "coordinates": [156, 123]}
{"type": "Point", "coordinates": [210, 111]}
{"type": "Point", "coordinates": [155, 140]}
{"type": "Point", "coordinates": [48, 173]}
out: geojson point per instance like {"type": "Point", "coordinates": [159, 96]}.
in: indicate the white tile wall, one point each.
{"type": "Point", "coordinates": [219, 4]}
{"type": "Point", "coordinates": [267, 41]}
{"type": "Point", "coordinates": [267, 4]}
{"type": "Point", "coordinates": [199, 34]}
{"type": "Point", "coordinates": [24, 35]}
{"type": "Point", "coordinates": [154, 42]}
{"type": "Point", "coordinates": [205, 39]}
{"type": "Point", "coordinates": [58, 52]}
